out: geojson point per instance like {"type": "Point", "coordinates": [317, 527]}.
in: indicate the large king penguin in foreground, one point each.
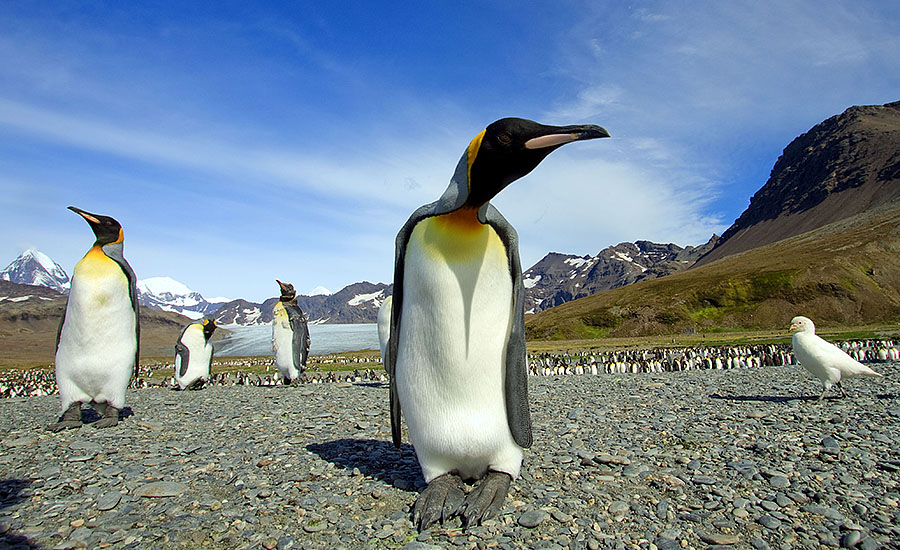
{"type": "Point", "coordinates": [290, 335]}
{"type": "Point", "coordinates": [456, 357]}
{"type": "Point", "coordinates": [194, 354]}
{"type": "Point", "coordinates": [97, 343]}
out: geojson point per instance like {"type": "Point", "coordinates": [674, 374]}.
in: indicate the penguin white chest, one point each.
{"type": "Point", "coordinates": [97, 342]}
{"type": "Point", "coordinates": [198, 359]}
{"type": "Point", "coordinates": [283, 342]}
{"type": "Point", "coordinates": [455, 322]}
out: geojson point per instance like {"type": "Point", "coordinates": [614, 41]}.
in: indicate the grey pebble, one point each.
{"type": "Point", "coordinates": [850, 539]}
{"type": "Point", "coordinates": [532, 518]}
{"type": "Point", "coordinates": [109, 500]}
{"type": "Point", "coordinates": [779, 482]}
{"type": "Point", "coordinates": [416, 545]}
{"type": "Point", "coordinates": [769, 522]}
{"type": "Point", "coordinates": [159, 489]}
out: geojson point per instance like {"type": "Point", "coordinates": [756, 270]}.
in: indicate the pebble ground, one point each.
{"type": "Point", "coordinates": [696, 459]}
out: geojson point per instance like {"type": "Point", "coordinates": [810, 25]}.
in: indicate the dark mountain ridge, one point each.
{"type": "Point", "coordinates": [842, 166]}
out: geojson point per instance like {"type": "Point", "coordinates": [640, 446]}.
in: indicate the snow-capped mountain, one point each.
{"type": "Point", "coordinates": [168, 294]}
{"type": "Point", "coordinates": [36, 268]}
{"type": "Point", "coordinates": [356, 303]}
{"type": "Point", "coordinates": [560, 278]}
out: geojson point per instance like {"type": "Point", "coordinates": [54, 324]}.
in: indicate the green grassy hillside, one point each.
{"type": "Point", "coordinates": [844, 273]}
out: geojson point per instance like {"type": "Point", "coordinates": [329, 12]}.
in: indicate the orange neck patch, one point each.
{"type": "Point", "coordinates": [462, 219]}
{"type": "Point", "coordinates": [471, 153]}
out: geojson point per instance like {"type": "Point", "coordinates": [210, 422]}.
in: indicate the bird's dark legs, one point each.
{"type": "Point", "coordinates": [110, 418]}
{"type": "Point", "coordinates": [486, 498]}
{"type": "Point", "coordinates": [841, 387]}
{"type": "Point", "coordinates": [439, 501]}
{"type": "Point", "coordinates": [71, 418]}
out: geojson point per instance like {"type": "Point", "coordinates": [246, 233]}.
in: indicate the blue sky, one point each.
{"type": "Point", "coordinates": [240, 142]}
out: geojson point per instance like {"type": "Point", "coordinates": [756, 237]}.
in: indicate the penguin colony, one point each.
{"type": "Point", "coordinates": [39, 382]}
{"type": "Point", "coordinates": [452, 335]}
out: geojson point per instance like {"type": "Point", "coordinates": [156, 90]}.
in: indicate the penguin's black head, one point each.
{"type": "Point", "coordinates": [106, 229]}
{"type": "Point", "coordinates": [209, 326]}
{"type": "Point", "coordinates": [287, 291]}
{"type": "Point", "coordinates": [510, 148]}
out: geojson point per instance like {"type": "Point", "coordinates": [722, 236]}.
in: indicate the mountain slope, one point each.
{"type": "Point", "coordinates": [36, 268]}
{"type": "Point", "coordinates": [846, 272]}
{"type": "Point", "coordinates": [839, 168]}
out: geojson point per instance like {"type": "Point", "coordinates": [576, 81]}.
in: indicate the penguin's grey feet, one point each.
{"type": "Point", "coordinates": [110, 418]}
{"type": "Point", "coordinates": [486, 498]}
{"type": "Point", "coordinates": [439, 501]}
{"type": "Point", "coordinates": [295, 381]}
{"type": "Point", "coordinates": [71, 418]}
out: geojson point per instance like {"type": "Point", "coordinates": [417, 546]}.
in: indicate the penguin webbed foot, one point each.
{"type": "Point", "coordinates": [71, 418]}
{"type": "Point", "coordinates": [110, 418]}
{"type": "Point", "coordinates": [485, 500]}
{"type": "Point", "coordinates": [439, 501]}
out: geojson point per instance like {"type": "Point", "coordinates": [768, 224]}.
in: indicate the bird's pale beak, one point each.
{"type": "Point", "coordinates": [567, 134]}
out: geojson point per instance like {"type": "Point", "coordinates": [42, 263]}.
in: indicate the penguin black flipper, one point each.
{"type": "Point", "coordinates": [183, 354]}
{"type": "Point", "coordinates": [114, 252]}
{"type": "Point", "coordinates": [516, 381]}
{"type": "Point", "coordinates": [300, 330]}
{"type": "Point", "coordinates": [399, 258]}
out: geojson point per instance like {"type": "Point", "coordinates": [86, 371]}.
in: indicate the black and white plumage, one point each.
{"type": "Point", "coordinates": [194, 354]}
{"type": "Point", "coordinates": [822, 359]}
{"type": "Point", "coordinates": [456, 353]}
{"type": "Point", "coordinates": [97, 346]}
{"type": "Point", "coordinates": [290, 335]}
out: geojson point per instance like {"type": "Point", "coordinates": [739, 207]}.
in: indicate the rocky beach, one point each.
{"type": "Point", "coordinates": [741, 458]}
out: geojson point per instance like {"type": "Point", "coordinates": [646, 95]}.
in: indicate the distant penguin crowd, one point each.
{"type": "Point", "coordinates": [659, 360]}
{"type": "Point", "coordinates": [41, 381]}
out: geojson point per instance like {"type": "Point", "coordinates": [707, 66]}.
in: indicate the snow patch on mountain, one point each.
{"type": "Point", "coordinates": [375, 297]}
{"type": "Point", "coordinates": [529, 282]}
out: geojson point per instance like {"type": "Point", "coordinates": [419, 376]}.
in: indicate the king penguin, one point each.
{"type": "Point", "coordinates": [456, 354]}
{"type": "Point", "coordinates": [97, 346]}
{"type": "Point", "coordinates": [193, 354]}
{"type": "Point", "coordinates": [383, 322]}
{"type": "Point", "coordinates": [290, 335]}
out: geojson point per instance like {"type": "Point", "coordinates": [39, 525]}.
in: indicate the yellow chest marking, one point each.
{"type": "Point", "coordinates": [279, 312]}
{"type": "Point", "coordinates": [457, 237]}
{"type": "Point", "coordinates": [96, 264]}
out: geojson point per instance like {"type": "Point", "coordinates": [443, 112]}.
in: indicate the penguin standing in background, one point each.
{"type": "Point", "coordinates": [193, 354]}
{"type": "Point", "coordinates": [384, 328]}
{"type": "Point", "coordinates": [290, 335]}
{"type": "Point", "coordinates": [97, 344]}
{"type": "Point", "coordinates": [456, 356]}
